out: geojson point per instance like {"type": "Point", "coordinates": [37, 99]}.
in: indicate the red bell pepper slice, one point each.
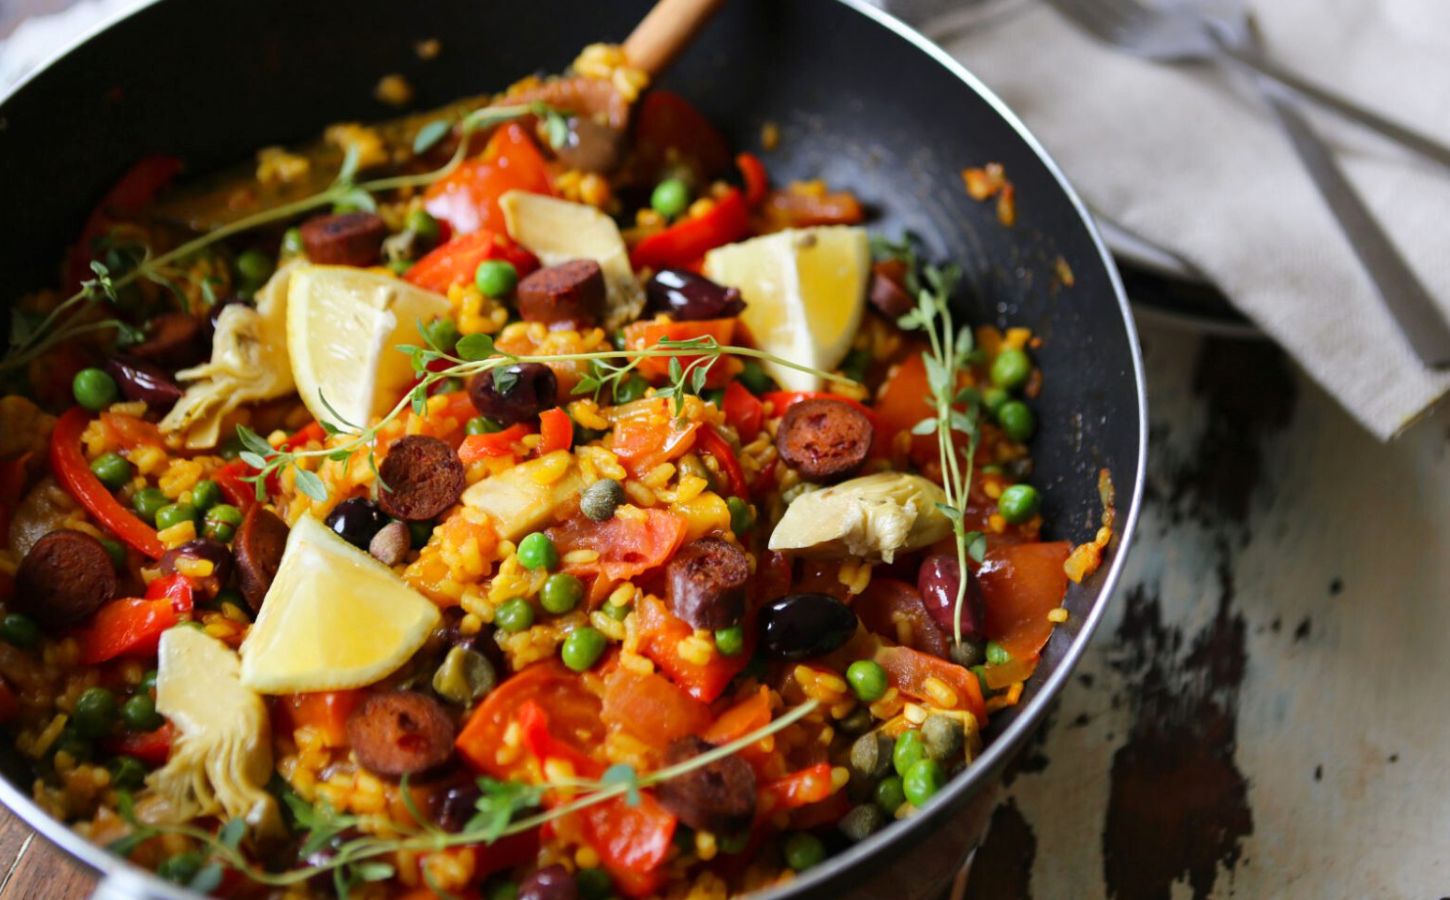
{"type": "Point", "coordinates": [626, 547]}
{"type": "Point", "coordinates": [467, 198]}
{"type": "Point", "coordinates": [499, 443]}
{"type": "Point", "coordinates": [126, 198]}
{"type": "Point", "coordinates": [743, 410]}
{"type": "Point", "coordinates": [556, 430]}
{"type": "Point", "coordinates": [133, 626]}
{"type": "Point", "coordinates": [324, 711]}
{"type": "Point", "coordinates": [456, 261]}
{"type": "Point", "coordinates": [644, 335]}
{"type": "Point", "coordinates": [710, 441]}
{"type": "Point", "coordinates": [809, 785]}
{"type": "Point", "coordinates": [239, 493]}
{"type": "Point", "coordinates": [691, 238]}
{"type": "Point", "coordinates": [660, 633]}
{"type": "Point", "coordinates": [151, 747]}
{"type": "Point", "coordinates": [557, 691]}
{"type": "Point", "coordinates": [756, 181]}
{"type": "Point", "coordinates": [668, 131]}
{"type": "Point", "coordinates": [68, 463]}
{"type": "Point", "coordinates": [908, 671]}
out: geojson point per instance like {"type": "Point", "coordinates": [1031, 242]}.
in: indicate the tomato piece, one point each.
{"type": "Point", "coordinates": [743, 410]}
{"type": "Point", "coordinates": [127, 197]}
{"type": "Point", "coordinates": [151, 747]}
{"type": "Point", "coordinates": [632, 841]}
{"type": "Point", "coordinates": [68, 463]}
{"type": "Point", "coordinates": [556, 430]}
{"type": "Point", "coordinates": [500, 443]}
{"type": "Point", "coordinates": [712, 443]}
{"type": "Point", "coordinates": [626, 546]}
{"type": "Point", "coordinates": [739, 720]}
{"type": "Point", "coordinates": [324, 711]}
{"type": "Point", "coordinates": [687, 240]}
{"type": "Point", "coordinates": [909, 670]}
{"type": "Point", "coordinates": [660, 633]}
{"type": "Point", "coordinates": [544, 746]}
{"type": "Point", "coordinates": [667, 122]}
{"type": "Point", "coordinates": [647, 432]}
{"type": "Point", "coordinates": [651, 708]}
{"type": "Point", "coordinates": [133, 626]}
{"type": "Point", "coordinates": [643, 335]}
{"type": "Point", "coordinates": [809, 785]}
{"type": "Point", "coordinates": [572, 710]}
{"type": "Point", "coordinates": [756, 181]}
{"type": "Point", "coordinates": [895, 610]}
{"type": "Point", "coordinates": [456, 261]}
{"type": "Point", "coordinates": [1021, 584]}
{"type": "Point", "coordinates": [239, 493]}
{"type": "Point", "coordinates": [467, 198]}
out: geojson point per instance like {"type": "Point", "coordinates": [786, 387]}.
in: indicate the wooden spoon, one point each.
{"type": "Point", "coordinates": [666, 30]}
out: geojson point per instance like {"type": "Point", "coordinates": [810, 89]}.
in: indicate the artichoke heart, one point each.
{"type": "Point", "coordinates": [522, 499]}
{"type": "Point", "coordinates": [222, 757]}
{"type": "Point", "coordinates": [871, 517]}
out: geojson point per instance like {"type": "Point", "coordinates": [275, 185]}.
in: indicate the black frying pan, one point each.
{"type": "Point", "coordinates": [861, 101]}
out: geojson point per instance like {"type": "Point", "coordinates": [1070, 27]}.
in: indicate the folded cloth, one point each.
{"type": "Point", "coordinates": [1188, 157]}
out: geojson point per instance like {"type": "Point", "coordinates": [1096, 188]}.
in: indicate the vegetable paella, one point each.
{"type": "Point", "coordinates": [529, 500]}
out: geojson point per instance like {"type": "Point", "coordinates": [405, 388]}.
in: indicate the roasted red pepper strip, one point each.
{"type": "Point", "coordinates": [456, 261]}
{"type": "Point", "coordinates": [239, 493]}
{"type": "Point", "coordinates": [499, 443]}
{"type": "Point", "coordinates": [131, 192]}
{"type": "Point", "coordinates": [133, 627]}
{"type": "Point", "coordinates": [68, 463]}
{"type": "Point", "coordinates": [710, 441]}
{"type": "Point", "coordinates": [756, 181]}
{"type": "Point", "coordinates": [151, 747]}
{"type": "Point", "coordinates": [743, 410]}
{"type": "Point", "coordinates": [809, 785]}
{"type": "Point", "coordinates": [556, 430]}
{"type": "Point", "coordinates": [689, 239]}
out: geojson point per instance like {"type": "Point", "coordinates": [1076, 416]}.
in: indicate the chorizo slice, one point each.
{"type": "Point", "coordinates": [258, 549]}
{"type": "Point", "coordinates": [423, 477]}
{"type": "Point", "coordinates": [823, 439]}
{"type": "Point", "coordinates": [571, 291]}
{"type": "Point", "coordinates": [66, 576]}
{"type": "Point", "coordinates": [346, 239]}
{"type": "Point", "coordinates": [887, 293]}
{"type": "Point", "coordinates": [174, 341]}
{"type": "Point", "coordinates": [706, 583]}
{"type": "Point", "coordinates": [400, 733]}
{"type": "Point", "coordinates": [718, 797]}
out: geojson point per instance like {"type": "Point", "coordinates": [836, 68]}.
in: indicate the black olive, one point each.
{"type": "Point", "coordinates": [453, 808]}
{"type": "Point", "coordinates": [799, 626]}
{"type": "Point", "coordinates": [688, 296]}
{"type": "Point", "coordinates": [516, 393]}
{"type": "Point", "coordinates": [549, 883]}
{"type": "Point", "coordinates": [214, 552]}
{"type": "Point", "coordinates": [356, 521]}
{"type": "Point", "coordinates": [937, 581]}
{"type": "Point", "coordinates": [140, 380]}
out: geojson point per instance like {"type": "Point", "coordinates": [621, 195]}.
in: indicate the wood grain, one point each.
{"type": "Point", "coordinates": [32, 868]}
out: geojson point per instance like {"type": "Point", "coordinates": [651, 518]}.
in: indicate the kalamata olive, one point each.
{"type": "Point", "coordinates": [688, 296]}
{"type": "Point", "coordinates": [937, 581]}
{"type": "Point", "coordinates": [357, 521]}
{"type": "Point", "coordinates": [799, 626]}
{"type": "Point", "coordinates": [452, 808]}
{"type": "Point", "coordinates": [214, 552]}
{"type": "Point", "coordinates": [591, 146]}
{"type": "Point", "coordinates": [549, 883]}
{"type": "Point", "coordinates": [140, 380]}
{"type": "Point", "coordinates": [516, 393]}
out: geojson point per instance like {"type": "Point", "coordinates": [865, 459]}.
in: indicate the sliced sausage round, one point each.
{"type": "Point", "coordinates": [569, 292]}
{"type": "Point", "coordinates": [706, 583]}
{"type": "Point", "coordinates": [346, 239]}
{"type": "Point", "coordinates": [258, 548]}
{"type": "Point", "coordinates": [214, 552]}
{"type": "Point", "coordinates": [400, 733]}
{"type": "Point", "coordinates": [823, 439]}
{"type": "Point", "coordinates": [515, 393]}
{"type": "Point", "coordinates": [718, 797]}
{"type": "Point", "coordinates": [423, 477]}
{"type": "Point", "coordinates": [66, 576]}
{"type": "Point", "coordinates": [174, 341]}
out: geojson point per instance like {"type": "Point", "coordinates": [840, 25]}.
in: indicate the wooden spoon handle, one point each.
{"type": "Point", "coordinates": [664, 32]}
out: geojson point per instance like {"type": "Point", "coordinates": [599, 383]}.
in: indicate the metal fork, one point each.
{"type": "Point", "coordinates": [1225, 33]}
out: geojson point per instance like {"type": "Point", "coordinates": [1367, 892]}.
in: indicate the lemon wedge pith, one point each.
{"type": "Point", "coordinates": [804, 290]}
{"type": "Point", "coordinates": [343, 327]}
{"type": "Point", "coordinates": [334, 618]}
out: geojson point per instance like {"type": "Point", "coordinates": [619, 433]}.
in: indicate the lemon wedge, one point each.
{"type": "Point", "coordinates": [804, 289]}
{"type": "Point", "coordinates": [343, 325]}
{"type": "Point", "coordinates": [334, 618]}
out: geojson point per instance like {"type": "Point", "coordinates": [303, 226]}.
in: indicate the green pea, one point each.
{"type": "Point", "coordinates": [670, 197]}
{"type": "Point", "coordinates": [423, 225]}
{"type": "Point", "coordinates": [600, 499]}
{"type": "Point", "coordinates": [502, 889]}
{"type": "Point", "coordinates": [127, 772]}
{"type": "Point", "coordinates": [922, 781]}
{"type": "Point", "coordinates": [181, 868]}
{"type": "Point", "coordinates": [20, 630]}
{"type": "Point", "coordinates": [292, 242]}
{"type": "Point", "coordinates": [537, 551]}
{"type": "Point", "coordinates": [139, 713]}
{"type": "Point", "coordinates": [442, 334]}
{"type": "Point", "coordinates": [482, 425]}
{"type": "Point", "coordinates": [148, 680]}
{"type": "Point", "coordinates": [514, 615]}
{"type": "Point", "coordinates": [116, 551]}
{"type": "Point", "coordinates": [867, 680]}
{"type": "Point", "coordinates": [1011, 368]}
{"type": "Point", "coordinates": [997, 655]}
{"type": "Point", "coordinates": [94, 713]}
{"type": "Point", "coordinates": [754, 378]}
{"type": "Point", "coordinates": [616, 612]}
{"type": "Point", "coordinates": [94, 389]}
{"type": "Point", "coordinates": [1018, 503]}
{"type": "Point", "coordinates": [742, 519]}
{"type": "Point", "coordinates": [206, 494]}
{"type": "Point", "coordinates": [594, 884]}
{"type": "Point", "coordinates": [561, 593]}
{"type": "Point", "coordinates": [909, 748]}
{"type": "Point", "coordinates": [174, 514]}
{"type": "Point", "coordinates": [803, 850]}
{"type": "Point", "coordinates": [889, 794]}
{"type": "Point", "coordinates": [993, 397]}
{"type": "Point", "coordinates": [630, 389]}
{"type": "Point", "coordinates": [254, 267]}
{"type": "Point", "coordinates": [496, 278]}
{"type": "Point", "coordinates": [113, 469]}
{"type": "Point", "coordinates": [147, 501]}
{"type": "Point", "coordinates": [582, 648]}
{"type": "Point", "coordinates": [1017, 420]}
{"type": "Point", "coordinates": [221, 521]}
{"type": "Point", "coordinates": [730, 641]}
{"type": "Point", "coordinates": [419, 533]}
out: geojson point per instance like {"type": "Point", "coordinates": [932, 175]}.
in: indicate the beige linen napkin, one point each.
{"type": "Point", "coordinates": [1188, 157]}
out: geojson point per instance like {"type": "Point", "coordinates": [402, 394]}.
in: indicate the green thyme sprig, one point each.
{"type": "Point", "coordinates": [504, 808]}
{"type": "Point", "coordinates": [28, 341]}
{"type": "Point", "coordinates": [957, 410]}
